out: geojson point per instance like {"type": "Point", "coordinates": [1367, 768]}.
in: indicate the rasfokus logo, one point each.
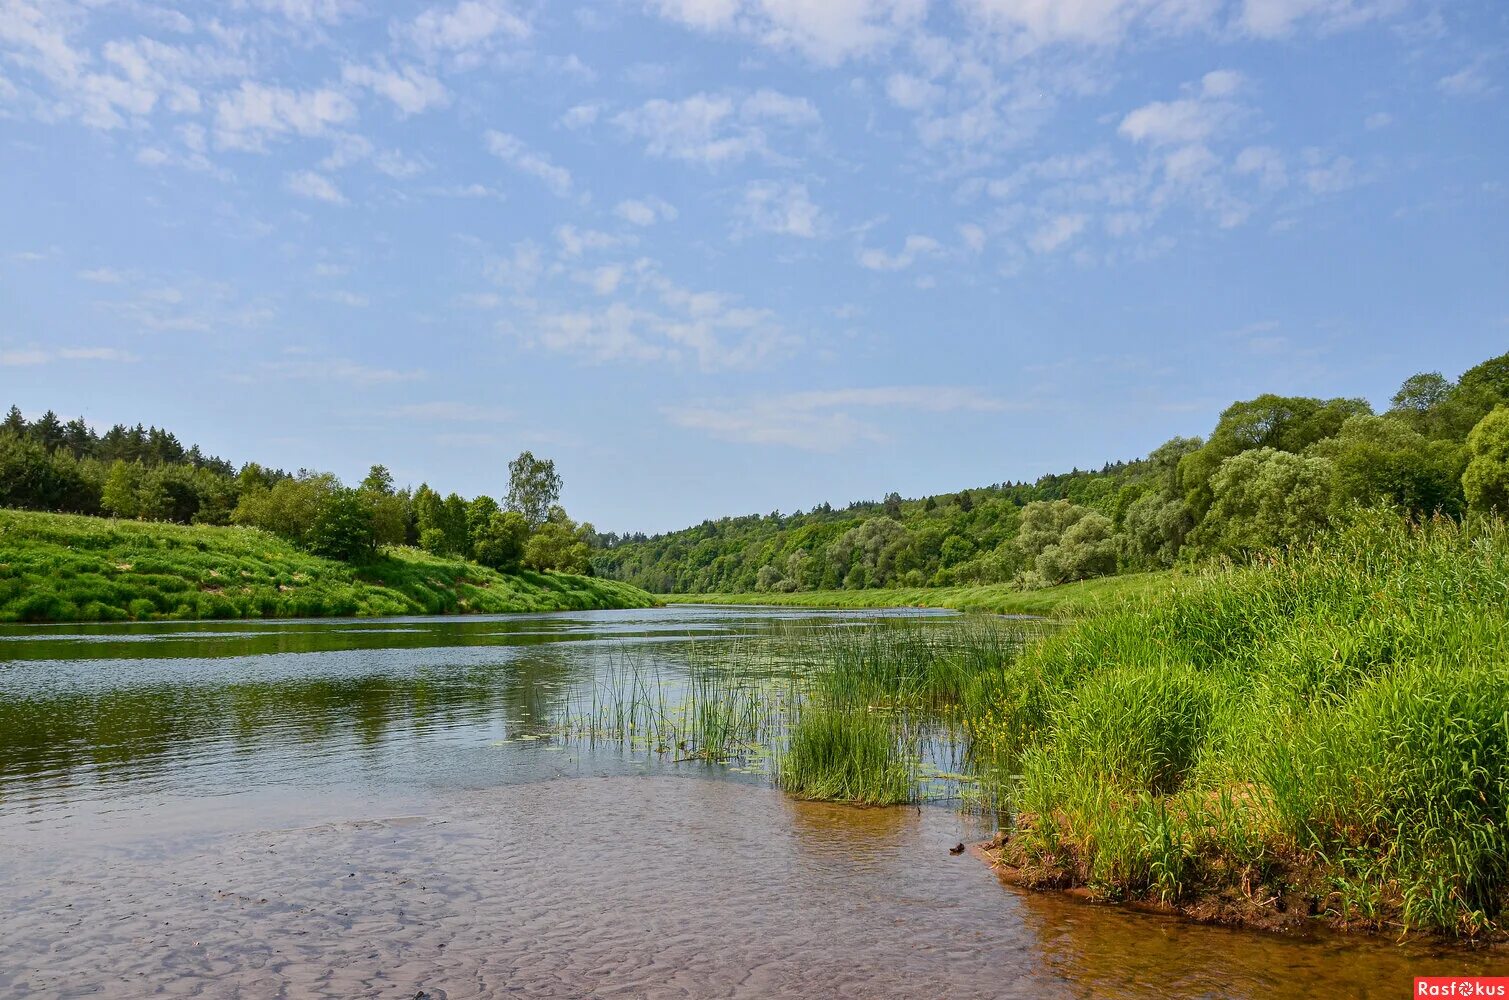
{"type": "Point", "coordinates": [1462, 986]}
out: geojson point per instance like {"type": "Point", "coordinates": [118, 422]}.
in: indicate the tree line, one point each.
{"type": "Point", "coordinates": [146, 473]}
{"type": "Point", "coordinates": [1274, 472]}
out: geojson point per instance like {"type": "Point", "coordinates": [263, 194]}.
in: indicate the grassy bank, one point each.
{"type": "Point", "coordinates": [1070, 599]}
{"type": "Point", "coordinates": [56, 567]}
{"type": "Point", "coordinates": [1323, 735]}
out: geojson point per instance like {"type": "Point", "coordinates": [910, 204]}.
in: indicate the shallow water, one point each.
{"type": "Point", "coordinates": [356, 809]}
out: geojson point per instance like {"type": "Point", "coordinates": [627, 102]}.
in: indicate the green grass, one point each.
{"type": "Point", "coordinates": [1327, 731]}
{"type": "Point", "coordinates": [1066, 600]}
{"type": "Point", "coordinates": [57, 567]}
{"type": "Point", "coordinates": [845, 753]}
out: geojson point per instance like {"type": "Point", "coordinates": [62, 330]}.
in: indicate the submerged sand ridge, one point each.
{"type": "Point", "coordinates": [627, 887]}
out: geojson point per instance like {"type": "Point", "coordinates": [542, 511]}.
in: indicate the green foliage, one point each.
{"type": "Point", "coordinates": [1280, 423]}
{"type": "Point", "coordinates": [1486, 481]}
{"type": "Point", "coordinates": [289, 507]}
{"type": "Point", "coordinates": [558, 545]}
{"type": "Point", "coordinates": [1383, 459]}
{"type": "Point", "coordinates": [57, 567]}
{"type": "Point", "coordinates": [500, 542]}
{"type": "Point", "coordinates": [343, 527]}
{"type": "Point", "coordinates": [1154, 529]}
{"type": "Point", "coordinates": [1086, 549]}
{"type": "Point", "coordinates": [118, 495]}
{"type": "Point", "coordinates": [533, 487]}
{"type": "Point", "coordinates": [378, 481]}
{"type": "Point", "coordinates": [1265, 499]}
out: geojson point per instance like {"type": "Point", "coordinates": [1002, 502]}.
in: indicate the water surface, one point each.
{"type": "Point", "coordinates": [381, 807]}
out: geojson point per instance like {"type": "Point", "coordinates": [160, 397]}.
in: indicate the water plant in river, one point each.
{"type": "Point", "coordinates": [846, 753]}
{"type": "Point", "coordinates": [862, 713]}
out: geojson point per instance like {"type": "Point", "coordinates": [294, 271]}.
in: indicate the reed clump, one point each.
{"type": "Point", "coordinates": [846, 753]}
{"type": "Point", "coordinates": [1324, 733]}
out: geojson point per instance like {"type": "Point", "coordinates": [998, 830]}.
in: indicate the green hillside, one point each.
{"type": "Point", "coordinates": [59, 567]}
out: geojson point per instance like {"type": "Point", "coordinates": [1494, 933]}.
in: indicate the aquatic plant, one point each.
{"type": "Point", "coordinates": [808, 705]}
{"type": "Point", "coordinates": [846, 753]}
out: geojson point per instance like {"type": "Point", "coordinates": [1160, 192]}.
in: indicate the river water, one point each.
{"type": "Point", "coordinates": [382, 808]}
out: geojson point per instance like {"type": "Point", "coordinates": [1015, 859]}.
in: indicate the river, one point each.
{"type": "Point", "coordinates": [383, 808]}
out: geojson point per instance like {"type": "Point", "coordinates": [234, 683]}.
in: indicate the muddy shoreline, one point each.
{"type": "Point", "coordinates": [1295, 914]}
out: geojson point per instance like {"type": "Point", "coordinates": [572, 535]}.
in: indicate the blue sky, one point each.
{"type": "Point", "coordinates": [723, 256]}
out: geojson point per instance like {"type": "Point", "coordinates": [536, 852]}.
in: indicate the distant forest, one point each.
{"type": "Point", "coordinates": [1275, 471]}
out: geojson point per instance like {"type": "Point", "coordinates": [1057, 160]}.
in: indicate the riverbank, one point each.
{"type": "Point", "coordinates": [1067, 600]}
{"type": "Point", "coordinates": [62, 567]}
{"type": "Point", "coordinates": [1323, 736]}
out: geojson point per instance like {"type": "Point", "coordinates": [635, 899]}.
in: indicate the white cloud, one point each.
{"type": "Point", "coordinates": [23, 358]}
{"type": "Point", "coordinates": [1026, 25]}
{"type": "Point", "coordinates": [103, 276]}
{"type": "Point", "coordinates": [309, 11]}
{"type": "Point", "coordinates": [246, 118]}
{"type": "Point", "coordinates": [603, 280]}
{"type": "Point", "coordinates": [1325, 174]}
{"type": "Point", "coordinates": [775, 106]}
{"type": "Point", "coordinates": [828, 32]}
{"type": "Point", "coordinates": [1266, 164]}
{"type": "Point", "coordinates": [713, 129]}
{"type": "Point", "coordinates": [821, 420]}
{"type": "Point", "coordinates": [704, 14]}
{"type": "Point", "coordinates": [1378, 120]}
{"type": "Point", "coordinates": [581, 115]}
{"type": "Point", "coordinates": [645, 211]}
{"type": "Point", "coordinates": [973, 237]}
{"type": "Point", "coordinates": [912, 92]}
{"type": "Point", "coordinates": [398, 166]}
{"type": "Point", "coordinates": [308, 184]}
{"type": "Point", "coordinates": [574, 242]}
{"type": "Point", "coordinates": [1277, 18]}
{"type": "Point", "coordinates": [97, 354]}
{"type": "Point", "coordinates": [781, 207]}
{"type": "Point", "coordinates": [695, 129]}
{"type": "Point", "coordinates": [1057, 232]}
{"type": "Point", "coordinates": [913, 249]}
{"type": "Point", "coordinates": [129, 81]}
{"type": "Point", "coordinates": [512, 150]}
{"type": "Point", "coordinates": [656, 320]}
{"type": "Point", "coordinates": [520, 269]}
{"type": "Point", "coordinates": [32, 356]}
{"type": "Point", "coordinates": [466, 31]}
{"type": "Point", "coordinates": [1187, 120]}
{"type": "Point", "coordinates": [410, 90]}
{"type": "Point", "coordinates": [1471, 80]}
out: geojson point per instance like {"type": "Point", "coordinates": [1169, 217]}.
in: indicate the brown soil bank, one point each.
{"type": "Point", "coordinates": [1296, 900]}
